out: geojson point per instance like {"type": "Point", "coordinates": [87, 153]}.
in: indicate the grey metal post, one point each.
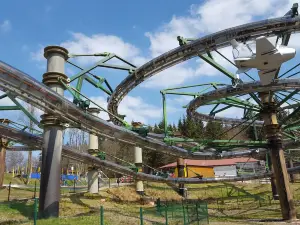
{"type": "Point", "coordinates": [53, 135]}
{"type": "Point", "coordinates": [93, 179]}
{"type": "Point", "coordinates": [138, 161]}
{"type": "Point", "coordinates": [3, 145]}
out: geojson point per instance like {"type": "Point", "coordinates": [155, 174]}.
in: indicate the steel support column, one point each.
{"type": "Point", "coordinates": [3, 145]}
{"type": "Point", "coordinates": [272, 178]}
{"type": "Point", "coordinates": [138, 161]}
{"type": "Point", "coordinates": [180, 169]}
{"type": "Point", "coordinates": [93, 179]}
{"type": "Point", "coordinates": [291, 165]}
{"type": "Point", "coordinates": [53, 136]}
{"type": "Point", "coordinates": [277, 156]}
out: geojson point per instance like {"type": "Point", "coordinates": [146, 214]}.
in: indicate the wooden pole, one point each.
{"type": "Point", "coordinates": [273, 136]}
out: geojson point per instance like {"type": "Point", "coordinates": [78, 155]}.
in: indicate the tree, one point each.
{"type": "Point", "coordinates": [214, 130]}
{"type": "Point", "coordinates": [14, 159]}
{"type": "Point", "coordinates": [31, 125]}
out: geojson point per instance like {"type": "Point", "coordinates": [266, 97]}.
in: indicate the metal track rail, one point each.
{"type": "Point", "coordinates": [27, 138]}
{"type": "Point", "coordinates": [246, 32]}
{"type": "Point", "coordinates": [23, 86]}
{"type": "Point", "coordinates": [245, 88]}
{"type": "Point", "coordinates": [35, 142]}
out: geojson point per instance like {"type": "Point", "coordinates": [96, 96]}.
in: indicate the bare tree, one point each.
{"type": "Point", "coordinates": [77, 139]}
{"type": "Point", "coordinates": [31, 125]}
{"type": "Point", "coordinates": [14, 159]}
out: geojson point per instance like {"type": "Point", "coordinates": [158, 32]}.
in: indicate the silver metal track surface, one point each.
{"type": "Point", "coordinates": [37, 142]}
{"type": "Point", "coordinates": [23, 86]}
{"type": "Point", "coordinates": [221, 39]}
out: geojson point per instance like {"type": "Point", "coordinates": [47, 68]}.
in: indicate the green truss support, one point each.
{"type": "Point", "coordinates": [25, 111]}
{"type": "Point", "coordinates": [217, 66]}
{"type": "Point", "coordinates": [14, 107]}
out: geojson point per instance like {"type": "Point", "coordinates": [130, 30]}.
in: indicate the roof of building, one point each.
{"type": "Point", "coordinates": [211, 163]}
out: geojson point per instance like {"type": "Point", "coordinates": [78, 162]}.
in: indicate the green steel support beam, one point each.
{"type": "Point", "coordinates": [78, 87]}
{"type": "Point", "coordinates": [287, 98]}
{"type": "Point", "coordinates": [84, 71]}
{"type": "Point", "coordinates": [9, 108]}
{"type": "Point", "coordinates": [165, 114]}
{"type": "Point", "coordinates": [3, 96]}
{"type": "Point", "coordinates": [217, 66]}
{"type": "Point", "coordinates": [31, 117]}
{"type": "Point", "coordinates": [213, 109]}
{"type": "Point", "coordinates": [289, 117]}
{"type": "Point", "coordinates": [233, 64]}
{"type": "Point", "coordinates": [289, 135]}
{"type": "Point", "coordinates": [294, 99]}
{"type": "Point", "coordinates": [289, 70]}
{"type": "Point", "coordinates": [97, 85]}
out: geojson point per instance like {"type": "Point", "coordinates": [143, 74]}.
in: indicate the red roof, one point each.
{"type": "Point", "coordinates": [211, 163]}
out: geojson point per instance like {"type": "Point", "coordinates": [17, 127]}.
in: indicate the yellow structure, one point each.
{"type": "Point", "coordinates": [194, 171]}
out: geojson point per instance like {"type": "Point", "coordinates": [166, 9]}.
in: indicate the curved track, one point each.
{"type": "Point", "coordinates": [37, 142]}
{"type": "Point", "coordinates": [245, 88]}
{"type": "Point", "coordinates": [23, 86]}
{"type": "Point", "coordinates": [246, 32]}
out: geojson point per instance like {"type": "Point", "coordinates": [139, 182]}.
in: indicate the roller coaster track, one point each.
{"type": "Point", "coordinates": [36, 142]}
{"type": "Point", "coordinates": [246, 32]}
{"type": "Point", "coordinates": [23, 86]}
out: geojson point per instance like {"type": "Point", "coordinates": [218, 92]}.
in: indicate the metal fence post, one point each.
{"type": "Point", "coordinates": [141, 216]}
{"type": "Point", "coordinates": [74, 185]}
{"type": "Point", "coordinates": [34, 195]}
{"type": "Point", "coordinates": [108, 182]}
{"type": "Point", "coordinates": [8, 197]}
{"type": "Point", "coordinates": [207, 214]}
{"type": "Point", "coordinates": [166, 214]}
{"type": "Point", "coordinates": [101, 215]}
{"type": "Point", "coordinates": [184, 221]}
{"type": "Point", "coordinates": [35, 211]}
{"type": "Point", "coordinates": [197, 212]}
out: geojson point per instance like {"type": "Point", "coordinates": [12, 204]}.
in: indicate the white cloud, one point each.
{"type": "Point", "coordinates": [134, 108]}
{"type": "Point", "coordinates": [170, 77]}
{"type": "Point", "coordinates": [80, 43]}
{"type": "Point", "coordinates": [204, 19]}
{"type": "Point", "coordinates": [5, 26]}
{"type": "Point", "coordinates": [38, 55]}
{"type": "Point", "coordinates": [233, 112]}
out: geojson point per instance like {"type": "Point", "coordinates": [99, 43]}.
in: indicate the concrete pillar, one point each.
{"type": "Point", "coordinates": [3, 145]}
{"type": "Point", "coordinates": [138, 161]}
{"type": "Point", "coordinates": [53, 136]}
{"type": "Point", "coordinates": [272, 130]}
{"type": "Point", "coordinates": [180, 169]}
{"type": "Point", "coordinates": [93, 180]}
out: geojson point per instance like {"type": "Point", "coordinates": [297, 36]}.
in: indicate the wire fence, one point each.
{"type": "Point", "coordinates": [163, 213]}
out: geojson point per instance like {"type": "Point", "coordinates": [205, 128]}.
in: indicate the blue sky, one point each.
{"type": "Point", "coordinates": [138, 32]}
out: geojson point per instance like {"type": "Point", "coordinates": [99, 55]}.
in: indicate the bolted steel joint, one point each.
{"type": "Point", "coordinates": [93, 152]}
{"type": "Point", "coordinates": [50, 120]}
{"type": "Point", "coordinates": [50, 78]}
{"type": "Point", "coordinates": [56, 49]}
{"type": "Point", "coordinates": [91, 168]}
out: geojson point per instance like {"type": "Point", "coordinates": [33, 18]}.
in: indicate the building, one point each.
{"type": "Point", "coordinates": [217, 168]}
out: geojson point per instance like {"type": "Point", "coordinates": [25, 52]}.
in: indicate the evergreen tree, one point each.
{"type": "Point", "coordinates": [214, 130]}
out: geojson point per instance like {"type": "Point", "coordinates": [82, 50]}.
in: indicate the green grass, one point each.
{"type": "Point", "coordinates": [122, 204]}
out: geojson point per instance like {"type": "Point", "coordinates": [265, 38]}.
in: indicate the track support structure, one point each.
{"type": "Point", "coordinates": [180, 169]}
{"type": "Point", "coordinates": [138, 161]}
{"type": "Point", "coordinates": [93, 179]}
{"type": "Point", "coordinates": [3, 146]}
{"type": "Point", "coordinates": [53, 136]}
{"type": "Point", "coordinates": [272, 130]}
